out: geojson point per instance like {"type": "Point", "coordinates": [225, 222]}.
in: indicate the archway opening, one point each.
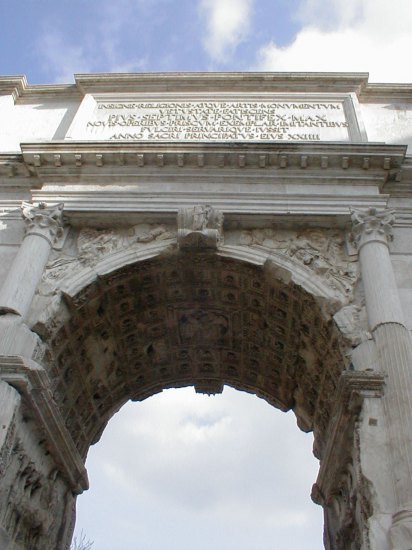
{"type": "Point", "coordinates": [181, 470]}
{"type": "Point", "coordinates": [191, 320]}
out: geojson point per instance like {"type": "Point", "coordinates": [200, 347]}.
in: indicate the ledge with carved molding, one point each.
{"type": "Point", "coordinates": [32, 382]}
{"type": "Point", "coordinates": [353, 388]}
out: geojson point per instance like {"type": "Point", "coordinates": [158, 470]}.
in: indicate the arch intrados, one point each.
{"type": "Point", "coordinates": [204, 320]}
{"type": "Point", "coordinates": [280, 266]}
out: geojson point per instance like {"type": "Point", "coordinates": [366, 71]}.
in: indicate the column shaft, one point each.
{"type": "Point", "coordinates": [43, 226]}
{"type": "Point", "coordinates": [381, 294]}
{"type": "Point", "coordinates": [24, 275]}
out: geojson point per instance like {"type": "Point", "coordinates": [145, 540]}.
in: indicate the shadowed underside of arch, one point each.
{"type": "Point", "coordinates": [199, 320]}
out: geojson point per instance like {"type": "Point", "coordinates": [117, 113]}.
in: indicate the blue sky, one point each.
{"type": "Point", "coordinates": [50, 40]}
{"type": "Point", "coordinates": [181, 471]}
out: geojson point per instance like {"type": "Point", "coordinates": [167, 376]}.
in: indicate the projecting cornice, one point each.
{"type": "Point", "coordinates": [131, 159]}
{"type": "Point", "coordinates": [13, 85]}
{"type": "Point", "coordinates": [386, 93]}
{"type": "Point", "coordinates": [220, 82]}
{"type": "Point", "coordinates": [19, 89]}
{"type": "Point", "coordinates": [209, 82]}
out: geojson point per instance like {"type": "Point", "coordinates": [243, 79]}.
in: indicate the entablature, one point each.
{"type": "Point", "coordinates": [149, 181]}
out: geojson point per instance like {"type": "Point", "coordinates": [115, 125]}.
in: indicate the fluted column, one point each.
{"type": "Point", "coordinates": [43, 227]}
{"type": "Point", "coordinates": [372, 232]}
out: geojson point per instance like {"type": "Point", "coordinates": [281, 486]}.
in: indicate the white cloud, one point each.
{"type": "Point", "coordinates": [361, 35]}
{"type": "Point", "coordinates": [64, 54]}
{"type": "Point", "coordinates": [330, 14]}
{"type": "Point", "coordinates": [61, 59]}
{"type": "Point", "coordinates": [222, 472]}
{"type": "Point", "coordinates": [227, 25]}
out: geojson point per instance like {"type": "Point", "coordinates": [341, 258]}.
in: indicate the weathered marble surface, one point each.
{"type": "Point", "coordinates": [278, 267]}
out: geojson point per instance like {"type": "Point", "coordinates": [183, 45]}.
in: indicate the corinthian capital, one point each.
{"type": "Point", "coordinates": [371, 225]}
{"type": "Point", "coordinates": [43, 220]}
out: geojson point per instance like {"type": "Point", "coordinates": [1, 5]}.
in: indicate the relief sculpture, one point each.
{"type": "Point", "coordinates": [199, 226]}
{"type": "Point", "coordinates": [93, 244]}
{"type": "Point", "coordinates": [321, 250]}
{"type": "Point", "coordinates": [196, 326]}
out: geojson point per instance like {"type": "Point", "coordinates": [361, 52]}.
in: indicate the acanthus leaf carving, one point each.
{"type": "Point", "coordinates": [371, 224]}
{"type": "Point", "coordinates": [44, 220]}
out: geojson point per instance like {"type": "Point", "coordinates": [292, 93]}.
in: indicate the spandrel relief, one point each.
{"type": "Point", "coordinates": [92, 245]}
{"type": "Point", "coordinates": [321, 250]}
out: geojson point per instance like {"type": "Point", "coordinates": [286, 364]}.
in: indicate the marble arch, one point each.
{"type": "Point", "coordinates": [133, 261]}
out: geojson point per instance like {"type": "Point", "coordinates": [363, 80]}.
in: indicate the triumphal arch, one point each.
{"type": "Point", "coordinates": [166, 230]}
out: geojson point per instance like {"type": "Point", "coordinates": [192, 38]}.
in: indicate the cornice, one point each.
{"type": "Point", "coordinates": [209, 82]}
{"type": "Point", "coordinates": [20, 90]}
{"type": "Point", "coordinates": [367, 157]}
{"type": "Point", "coordinates": [13, 85]}
{"type": "Point", "coordinates": [14, 173]}
{"type": "Point", "coordinates": [227, 81]}
{"type": "Point", "coordinates": [50, 92]}
{"type": "Point", "coordinates": [386, 93]}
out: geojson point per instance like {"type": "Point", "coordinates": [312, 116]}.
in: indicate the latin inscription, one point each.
{"type": "Point", "coordinates": [219, 121]}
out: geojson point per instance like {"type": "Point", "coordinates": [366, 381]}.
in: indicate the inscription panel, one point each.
{"type": "Point", "coordinates": [278, 119]}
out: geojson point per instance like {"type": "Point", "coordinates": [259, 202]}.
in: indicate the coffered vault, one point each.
{"type": "Point", "coordinates": [171, 230]}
